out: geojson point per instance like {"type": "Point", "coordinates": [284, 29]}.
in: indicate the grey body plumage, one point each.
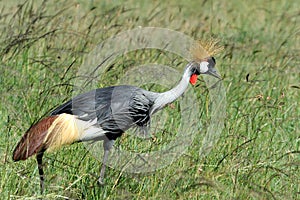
{"type": "Point", "coordinates": [116, 108]}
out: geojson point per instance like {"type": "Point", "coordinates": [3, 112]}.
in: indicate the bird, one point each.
{"type": "Point", "coordinates": [105, 114]}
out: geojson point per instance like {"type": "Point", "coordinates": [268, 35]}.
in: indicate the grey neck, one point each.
{"type": "Point", "coordinates": [171, 95]}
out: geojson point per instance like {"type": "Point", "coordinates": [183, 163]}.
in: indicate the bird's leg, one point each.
{"type": "Point", "coordinates": [107, 144]}
{"type": "Point", "coordinates": [101, 178]}
{"type": "Point", "coordinates": [39, 158]}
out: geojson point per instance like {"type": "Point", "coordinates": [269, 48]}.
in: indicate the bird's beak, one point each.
{"type": "Point", "coordinates": [214, 73]}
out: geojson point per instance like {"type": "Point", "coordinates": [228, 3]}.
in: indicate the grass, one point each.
{"type": "Point", "coordinates": [257, 156]}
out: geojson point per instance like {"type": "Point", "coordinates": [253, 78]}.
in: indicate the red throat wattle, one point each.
{"type": "Point", "coordinates": [193, 79]}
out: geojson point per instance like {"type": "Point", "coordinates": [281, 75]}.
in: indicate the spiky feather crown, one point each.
{"type": "Point", "coordinates": [203, 49]}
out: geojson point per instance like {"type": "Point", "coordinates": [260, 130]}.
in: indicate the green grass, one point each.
{"type": "Point", "coordinates": [258, 153]}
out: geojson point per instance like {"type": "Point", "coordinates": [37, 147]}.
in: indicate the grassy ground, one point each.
{"type": "Point", "coordinates": [257, 156]}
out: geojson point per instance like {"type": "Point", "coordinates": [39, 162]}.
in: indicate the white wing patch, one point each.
{"type": "Point", "coordinates": [90, 130]}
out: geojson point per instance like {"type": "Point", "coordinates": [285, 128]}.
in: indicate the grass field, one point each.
{"type": "Point", "coordinates": [43, 43]}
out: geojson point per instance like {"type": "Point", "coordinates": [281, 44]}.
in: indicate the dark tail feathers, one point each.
{"type": "Point", "coordinates": [32, 141]}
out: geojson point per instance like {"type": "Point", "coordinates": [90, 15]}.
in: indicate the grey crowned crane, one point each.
{"type": "Point", "coordinates": [103, 114]}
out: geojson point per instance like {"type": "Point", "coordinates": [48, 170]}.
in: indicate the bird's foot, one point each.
{"type": "Point", "coordinates": [100, 181]}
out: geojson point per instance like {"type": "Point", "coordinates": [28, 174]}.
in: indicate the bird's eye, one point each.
{"type": "Point", "coordinates": [214, 60]}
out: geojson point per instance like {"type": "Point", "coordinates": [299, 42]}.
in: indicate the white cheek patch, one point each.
{"type": "Point", "coordinates": [204, 67]}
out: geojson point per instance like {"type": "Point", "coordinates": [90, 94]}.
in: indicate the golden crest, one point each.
{"type": "Point", "coordinates": [203, 49]}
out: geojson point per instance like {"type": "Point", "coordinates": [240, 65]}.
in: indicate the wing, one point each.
{"type": "Point", "coordinates": [84, 105]}
{"type": "Point", "coordinates": [115, 108]}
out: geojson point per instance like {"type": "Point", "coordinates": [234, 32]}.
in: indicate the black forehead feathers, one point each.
{"type": "Point", "coordinates": [211, 61]}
